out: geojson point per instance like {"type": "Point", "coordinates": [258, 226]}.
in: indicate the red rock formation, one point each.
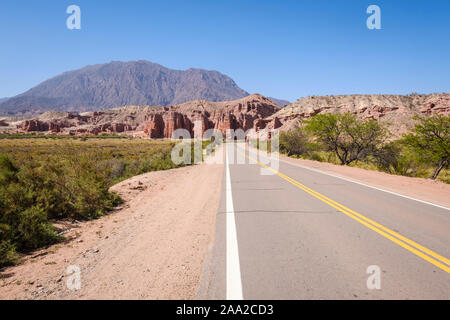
{"type": "Point", "coordinates": [34, 125]}
{"type": "Point", "coordinates": [253, 112]}
{"type": "Point", "coordinates": [173, 121]}
{"type": "Point", "coordinates": [154, 128]}
{"type": "Point", "coordinates": [159, 122]}
{"type": "Point", "coordinates": [439, 105]}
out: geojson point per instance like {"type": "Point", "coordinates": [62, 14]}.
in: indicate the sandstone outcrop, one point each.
{"type": "Point", "coordinates": [394, 110]}
{"type": "Point", "coordinates": [158, 122]}
{"type": "Point", "coordinates": [254, 112]}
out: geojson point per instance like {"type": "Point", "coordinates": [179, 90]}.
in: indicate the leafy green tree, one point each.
{"type": "Point", "coordinates": [349, 137]}
{"type": "Point", "coordinates": [394, 158]}
{"type": "Point", "coordinates": [294, 142]}
{"type": "Point", "coordinates": [430, 140]}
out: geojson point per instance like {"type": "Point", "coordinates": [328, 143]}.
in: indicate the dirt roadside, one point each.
{"type": "Point", "coordinates": [151, 248]}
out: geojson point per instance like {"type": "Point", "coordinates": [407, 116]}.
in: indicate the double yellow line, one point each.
{"type": "Point", "coordinates": [419, 250]}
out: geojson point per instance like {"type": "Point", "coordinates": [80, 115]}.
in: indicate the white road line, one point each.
{"type": "Point", "coordinates": [365, 185]}
{"type": "Point", "coordinates": [234, 282]}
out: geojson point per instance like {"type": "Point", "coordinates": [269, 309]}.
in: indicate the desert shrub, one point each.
{"type": "Point", "coordinates": [348, 137]}
{"type": "Point", "coordinates": [393, 158]}
{"type": "Point", "coordinates": [24, 222]}
{"type": "Point", "coordinates": [316, 156]}
{"type": "Point", "coordinates": [294, 143]}
{"type": "Point", "coordinates": [161, 161]}
{"type": "Point", "coordinates": [8, 253]}
{"type": "Point", "coordinates": [344, 139]}
{"type": "Point", "coordinates": [430, 141]}
{"type": "Point", "coordinates": [42, 180]}
{"type": "Point", "coordinates": [117, 168]}
{"type": "Point", "coordinates": [33, 229]}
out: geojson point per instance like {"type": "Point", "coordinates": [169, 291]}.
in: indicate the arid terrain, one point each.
{"type": "Point", "coordinates": [165, 240]}
{"type": "Point", "coordinates": [153, 247]}
{"type": "Point", "coordinates": [155, 122]}
{"type": "Point", "coordinates": [395, 110]}
{"type": "Point", "coordinates": [218, 158]}
{"type": "Point", "coordinates": [254, 112]}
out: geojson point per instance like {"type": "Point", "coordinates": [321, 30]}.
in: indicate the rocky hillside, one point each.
{"type": "Point", "coordinates": [395, 110]}
{"type": "Point", "coordinates": [118, 84]}
{"type": "Point", "coordinates": [157, 122]}
{"type": "Point", "coordinates": [252, 112]}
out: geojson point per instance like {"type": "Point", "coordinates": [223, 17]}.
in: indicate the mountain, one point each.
{"type": "Point", "coordinates": [118, 84]}
{"type": "Point", "coordinates": [3, 99]}
{"type": "Point", "coordinates": [282, 103]}
{"type": "Point", "coordinates": [396, 111]}
{"type": "Point", "coordinates": [157, 122]}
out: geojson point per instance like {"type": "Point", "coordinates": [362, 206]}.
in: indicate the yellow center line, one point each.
{"type": "Point", "coordinates": [397, 238]}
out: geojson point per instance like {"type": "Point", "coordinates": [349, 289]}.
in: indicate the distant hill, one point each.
{"type": "Point", "coordinates": [279, 102]}
{"type": "Point", "coordinates": [397, 111]}
{"type": "Point", "coordinates": [118, 84]}
{"type": "Point", "coordinates": [3, 99]}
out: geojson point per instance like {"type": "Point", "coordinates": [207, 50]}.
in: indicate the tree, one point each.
{"type": "Point", "coordinates": [294, 142]}
{"type": "Point", "coordinates": [430, 140]}
{"type": "Point", "coordinates": [349, 137]}
{"type": "Point", "coordinates": [394, 158]}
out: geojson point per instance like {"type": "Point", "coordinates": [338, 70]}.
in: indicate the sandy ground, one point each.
{"type": "Point", "coordinates": [423, 189]}
{"type": "Point", "coordinates": [151, 248]}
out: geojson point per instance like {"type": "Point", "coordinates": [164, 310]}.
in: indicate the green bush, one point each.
{"type": "Point", "coordinates": [393, 158]}
{"type": "Point", "coordinates": [348, 137]}
{"type": "Point", "coordinates": [43, 180]}
{"type": "Point", "coordinates": [345, 139]}
{"type": "Point", "coordinates": [316, 156]}
{"type": "Point", "coordinates": [430, 141]}
{"type": "Point", "coordinates": [8, 253]}
{"type": "Point", "coordinates": [294, 143]}
{"type": "Point", "coordinates": [24, 221]}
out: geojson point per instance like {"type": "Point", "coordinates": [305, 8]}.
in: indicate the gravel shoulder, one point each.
{"type": "Point", "coordinates": [153, 247]}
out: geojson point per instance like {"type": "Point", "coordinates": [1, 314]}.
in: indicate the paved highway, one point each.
{"type": "Point", "coordinates": [302, 234]}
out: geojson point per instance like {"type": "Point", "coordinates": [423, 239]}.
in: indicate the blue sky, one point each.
{"type": "Point", "coordinates": [285, 49]}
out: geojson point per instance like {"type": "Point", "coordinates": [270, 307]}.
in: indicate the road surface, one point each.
{"type": "Point", "coordinates": [302, 234]}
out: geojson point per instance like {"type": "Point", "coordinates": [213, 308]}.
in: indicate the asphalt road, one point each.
{"type": "Point", "coordinates": [301, 234]}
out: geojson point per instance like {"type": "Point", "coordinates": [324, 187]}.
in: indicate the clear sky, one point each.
{"type": "Point", "coordinates": [285, 49]}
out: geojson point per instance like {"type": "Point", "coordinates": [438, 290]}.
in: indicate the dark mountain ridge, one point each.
{"type": "Point", "coordinates": [282, 103]}
{"type": "Point", "coordinates": [116, 84]}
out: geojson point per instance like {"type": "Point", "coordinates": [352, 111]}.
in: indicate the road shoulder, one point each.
{"type": "Point", "coordinates": [151, 248]}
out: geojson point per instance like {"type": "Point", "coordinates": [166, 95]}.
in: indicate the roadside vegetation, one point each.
{"type": "Point", "coordinates": [38, 135]}
{"type": "Point", "coordinates": [45, 179]}
{"type": "Point", "coordinates": [345, 139]}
